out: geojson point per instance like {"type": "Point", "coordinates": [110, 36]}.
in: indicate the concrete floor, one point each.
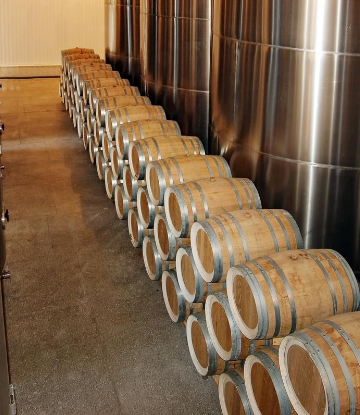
{"type": "Point", "coordinates": [88, 332]}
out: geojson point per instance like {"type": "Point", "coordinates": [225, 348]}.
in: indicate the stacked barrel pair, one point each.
{"type": "Point", "coordinates": [242, 283]}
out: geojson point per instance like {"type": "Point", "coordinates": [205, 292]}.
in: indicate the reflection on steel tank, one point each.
{"type": "Point", "coordinates": [285, 102]}
{"type": "Point", "coordinates": [175, 60]}
{"type": "Point", "coordinates": [122, 38]}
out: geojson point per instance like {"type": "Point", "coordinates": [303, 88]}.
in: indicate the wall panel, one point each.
{"type": "Point", "coordinates": [32, 33]}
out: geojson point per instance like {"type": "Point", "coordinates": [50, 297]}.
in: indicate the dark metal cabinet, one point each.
{"type": "Point", "coordinates": [4, 369]}
{"type": "Point", "coordinates": [6, 406]}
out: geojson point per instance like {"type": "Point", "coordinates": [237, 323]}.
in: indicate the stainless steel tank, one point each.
{"type": "Point", "coordinates": [285, 102]}
{"type": "Point", "coordinates": [175, 60]}
{"type": "Point", "coordinates": [122, 34]}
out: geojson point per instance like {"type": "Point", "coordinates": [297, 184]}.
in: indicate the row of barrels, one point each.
{"type": "Point", "coordinates": [242, 283]}
{"type": "Point", "coordinates": [235, 274]}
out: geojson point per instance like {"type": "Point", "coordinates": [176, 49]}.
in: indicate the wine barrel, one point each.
{"type": "Point", "coordinates": [142, 152]}
{"type": "Point", "coordinates": [175, 170]}
{"type": "Point", "coordinates": [136, 230]}
{"type": "Point", "coordinates": [74, 51]}
{"type": "Point", "coordinates": [202, 352]}
{"type": "Point", "coordinates": [320, 366]}
{"type": "Point", "coordinates": [228, 341]}
{"type": "Point", "coordinates": [193, 287]}
{"type": "Point", "coordinates": [232, 393]}
{"type": "Point", "coordinates": [91, 122]}
{"type": "Point", "coordinates": [166, 242]}
{"type": "Point", "coordinates": [83, 69]}
{"type": "Point", "coordinates": [154, 265]}
{"type": "Point", "coordinates": [81, 62]}
{"type": "Point", "coordinates": [86, 136]}
{"type": "Point", "coordinates": [117, 166]}
{"type": "Point", "coordinates": [107, 144]}
{"type": "Point", "coordinates": [61, 91]}
{"type": "Point", "coordinates": [176, 305]}
{"type": "Point", "coordinates": [71, 110]}
{"type": "Point", "coordinates": [96, 94]}
{"type": "Point", "coordinates": [194, 201]}
{"type": "Point", "coordinates": [83, 109]}
{"type": "Point", "coordinates": [101, 165]}
{"type": "Point", "coordinates": [101, 82]}
{"type": "Point", "coordinates": [76, 119]}
{"type": "Point", "coordinates": [78, 101]}
{"type": "Point", "coordinates": [100, 137]}
{"type": "Point", "coordinates": [110, 183]}
{"type": "Point", "coordinates": [94, 75]}
{"type": "Point", "coordinates": [76, 57]}
{"type": "Point", "coordinates": [146, 208]}
{"type": "Point", "coordinates": [138, 130]}
{"type": "Point", "coordinates": [72, 94]}
{"type": "Point", "coordinates": [131, 185]}
{"type": "Point", "coordinates": [124, 115]}
{"type": "Point", "coordinates": [275, 295]}
{"type": "Point", "coordinates": [93, 149]}
{"type": "Point", "coordinates": [69, 86]}
{"type": "Point", "coordinates": [224, 240]}
{"type": "Point", "coordinates": [122, 203]}
{"type": "Point", "coordinates": [78, 50]}
{"type": "Point", "coordinates": [110, 103]}
{"type": "Point", "coordinates": [66, 100]}
{"type": "Point", "coordinates": [264, 386]}
{"type": "Point", "coordinates": [79, 126]}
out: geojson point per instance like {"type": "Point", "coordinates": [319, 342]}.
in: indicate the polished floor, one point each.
{"type": "Point", "coordinates": [88, 332]}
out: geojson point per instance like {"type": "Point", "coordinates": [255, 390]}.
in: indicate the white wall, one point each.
{"type": "Point", "coordinates": [32, 32]}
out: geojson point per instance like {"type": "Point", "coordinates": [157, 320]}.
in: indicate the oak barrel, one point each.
{"type": "Point", "coordinates": [76, 57]}
{"type": "Point", "coordinates": [81, 62]}
{"type": "Point", "coordinates": [136, 231]}
{"type": "Point", "coordinates": [111, 103]}
{"type": "Point", "coordinates": [175, 170]}
{"type": "Point", "coordinates": [166, 243]}
{"type": "Point", "coordinates": [101, 165]}
{"type": "Point", "coordinates": [229, 342]}
{"type": "Point", "coordinates": [93, 149]}
{"type": "Point", "coordinates": [202, 352]}
{"type": "Point", "coordinates": [100, 137]}
{"type": "Point", "coordinates": [86, 136]}
{"type": "Point", "coordinates": [264, 386]}
{"type": "Point", "coordinates": [194, 201]}
{"type": "Point", "coordinates": [275, 295]}
{"type": "Point", "coordinates": [130, 113]}
{"type": "Point", "coordinates": [154, 265]}
{"type": "Point", "coordinates": [131, 185]}
{"type": "Point", "coordinates": [122, 203]}
{"type": "Point", "coordinates": [320, 366]}
{"type": "Point", "coordinates": [94, 75]}
{"type": "Point", "coordinates": [110, 183]}
{"type": "Point", "coordinates": [77, 71]}
{"type": "Point", "coordinates": [224, 240]}
{"type": "Point", "coordinates": [193, 287]}
{"type": "Point", "coordinates": [111, 91]}
{"type": "Point", "coordinates": [146, 208]}
{"type": "Point", "coordinates": [142, 152]}
{"type": "Point", "coordinates": [232, 393]}
{"type": "Point", "coordinates": [176, 305]}
{"type": "Point", "coordinates": [138, 130]}
{"type": "Point", "coordinates": [102, 82]}
{"type": "Point", "coordinates": [117, 165]}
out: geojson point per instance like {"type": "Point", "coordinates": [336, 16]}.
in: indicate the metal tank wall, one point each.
{"type": "Point", "coordinates": [122, 37]}
{"type": "Point", "coordinates": [175, 60]}
{"type": "Point", "coordinates": [285, 110]}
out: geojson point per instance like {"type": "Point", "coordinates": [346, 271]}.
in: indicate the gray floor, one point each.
{"type": "Point", "coordinates": [88, 331]}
